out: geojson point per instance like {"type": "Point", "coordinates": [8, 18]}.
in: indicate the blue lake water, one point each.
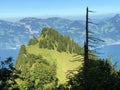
{"type": "Point", "coordinates": [113, 52]}
{"type": "Point", "coordinates": [5, 53]}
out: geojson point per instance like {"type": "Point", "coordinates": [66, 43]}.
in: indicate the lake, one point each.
{"type": "Point", "coordinates": [5, 53]}
{"type": "Point", "coordinates": [111, 51]}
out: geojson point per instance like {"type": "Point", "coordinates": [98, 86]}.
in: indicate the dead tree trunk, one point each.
{"type": "Point", "coordinates": [86, 59]}
{"type": "Point", "coordinates": [87, 53]}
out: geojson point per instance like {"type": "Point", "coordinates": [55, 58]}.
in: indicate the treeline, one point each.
{"type": "Point", "coordinates": [33, 41]}
{"type": "Point", "coordinates": [53, 40]}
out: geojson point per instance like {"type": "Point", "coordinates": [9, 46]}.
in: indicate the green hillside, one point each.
{"type": "Point", "coordinates": [52, 51]}
{"type": "Point", "coordinates": [63, 60]}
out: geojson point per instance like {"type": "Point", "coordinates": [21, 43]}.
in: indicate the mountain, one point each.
{"type": "Point", "coordinates": [14, 34]}
{"type": "Point", "coordinates": [51, 39]}
{"type": "Point", "coordinates": [30, 56]}
{"type": "Point", "coordinates": [109, 30]}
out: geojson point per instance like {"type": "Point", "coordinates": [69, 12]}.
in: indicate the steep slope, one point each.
{"type": "Point", "coordinates": [63, 58]}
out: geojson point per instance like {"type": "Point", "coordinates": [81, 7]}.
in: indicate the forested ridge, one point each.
{"type": "Point", "coordinates": [39, 72]}
{"type": "Point", "coordinates": [51, 39]}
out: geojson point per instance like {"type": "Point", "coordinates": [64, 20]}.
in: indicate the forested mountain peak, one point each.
{"type": "Point", "coordinates": [48, 32]}
{"type": "Point", "coordinates": [51, 39]}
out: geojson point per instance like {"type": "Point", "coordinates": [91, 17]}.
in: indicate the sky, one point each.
{"type": "Point", "coordinates": [48, 8]}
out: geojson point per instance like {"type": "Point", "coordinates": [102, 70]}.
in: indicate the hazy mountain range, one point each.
{"type": "Point", "coordinates": [14, 34]}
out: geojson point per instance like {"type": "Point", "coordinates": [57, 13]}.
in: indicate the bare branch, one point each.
{"type": "Point", "coordinates": [91, 11]}
{"type": "Point", "coordinates": [92, 46]}
{"type": "Point", "coordinates": [94, 51]}
{"type": "Point", "coordinates": [93, 38]}
{"type": "Point", "coordinates": [92, 23]}
{"type": "Point", "coordinates": [91, 32]}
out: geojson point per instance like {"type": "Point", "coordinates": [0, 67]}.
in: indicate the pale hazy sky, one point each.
{"type": "Point", "coordinates": [46, 8]}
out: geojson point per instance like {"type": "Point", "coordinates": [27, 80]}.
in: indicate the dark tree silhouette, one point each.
{"type": "Point", "coordinates": [86, 60]}
{"type": "Point", "coordinates": [8, 74]}
{"type": "Point", "coordinates": [89, 42]}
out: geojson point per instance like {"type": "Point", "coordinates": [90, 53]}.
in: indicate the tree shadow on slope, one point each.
{"type": "Point", "coordinates": [101, 75]}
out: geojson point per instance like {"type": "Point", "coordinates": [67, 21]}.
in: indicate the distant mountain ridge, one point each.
{"type": "Point", "coordinates": [14, 34]}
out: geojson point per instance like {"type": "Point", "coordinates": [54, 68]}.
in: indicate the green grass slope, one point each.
{"type": "Point", "coordinates": [63, 60]}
